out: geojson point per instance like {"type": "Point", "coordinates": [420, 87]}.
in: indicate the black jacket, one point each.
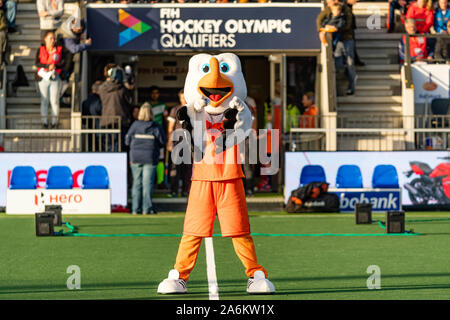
{"type": "Point", "coordinates": [145, 139]}
{"type": "Point", "coordinates": [92, 106]}
{"type": "Point", "coordinates": [114, 103]}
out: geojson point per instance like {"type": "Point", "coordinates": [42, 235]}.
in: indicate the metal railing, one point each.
{"type": "Point", "coordinates": [3, 90]}
{"type": "Point", "coordinates": [331, 72]}
{"type": "Point", "coordinates": [409, 60]}
{"type": "Point", "coordinates": [377, 133]}
{"type": "Point", "coordinates": [27, 134]}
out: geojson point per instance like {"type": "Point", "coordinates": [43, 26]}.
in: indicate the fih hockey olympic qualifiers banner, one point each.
{"type": "Point", "coordinates": [227, 27]}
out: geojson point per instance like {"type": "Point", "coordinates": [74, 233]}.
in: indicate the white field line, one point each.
{"type": "Point", "coordinates": [211, 270]}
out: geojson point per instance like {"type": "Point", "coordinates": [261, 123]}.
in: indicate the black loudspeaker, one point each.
{"type": "Point", "coordinates": [363, 213]}
{"type": "Point", "coordinates": [57, 211]}
{"type": "Point", "coordinates": [44, 224]}
{"type": "Point", "coordinates": [395, 222]}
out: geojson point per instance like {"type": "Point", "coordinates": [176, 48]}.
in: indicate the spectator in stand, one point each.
{"type": "Point", "coordinates": [332, 24]}
{"type": "Point", "coordinates": [422, 12]}
{"type": "Point", "coordinates": [441, 17]}
{"type": "Point", "coordinates": [49, 60]}
{"type": "Point", "coordinates": [401, 5]}
{"type": "Point", "coordinates": [419, 47]}
{"type": "Point", "coordinates": [69, 34]}
{"type": "Point", "coordinates": [181, 171]}
{"type": "Point", "coordinates": [345, 52]}
{"type": "Point", "coordinates": [10, 8]}
{"type": "Point", "coordinates": [309, 117]}
{"type": "Point", "coordinates": [50, 13]}
{"type": "Point", "coordinates": [114, 103]}
{"type": "Point", "coordinates": [145, 138]}
{"type": "Point", "coordinates": [442, 50]}
{"type": "Point", "coordinates": [350, 4]}
{"type": "Point", "coordinates": [3, 36]}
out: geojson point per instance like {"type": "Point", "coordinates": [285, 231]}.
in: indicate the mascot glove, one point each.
{"type": "Point", "coordinates": [243, 117]}
{"type": "Point", "coordinates": [200, 104]}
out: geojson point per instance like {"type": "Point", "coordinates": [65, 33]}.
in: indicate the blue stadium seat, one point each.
{"type": "Point", "coordinates": [312, 173]}
{"type": "Point", "coordinates": [349, 176]}
{"type": "Point", "coordinates": [385, 176]}
{"type": "Point", "coordinates": [23, 177]}
{"type": "Point", "coordinates": [95, 177]}
{"type": "Point", "coordinates": [59, 177]}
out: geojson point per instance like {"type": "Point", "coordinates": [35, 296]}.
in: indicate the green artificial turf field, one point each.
{"type": "Point", "coordinates": [301, 267]}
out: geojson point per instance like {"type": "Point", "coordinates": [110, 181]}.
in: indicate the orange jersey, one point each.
{"type": "Point", "coordinates": [308, 119]}
{"type": "Point", "coordinates": [217, 167]}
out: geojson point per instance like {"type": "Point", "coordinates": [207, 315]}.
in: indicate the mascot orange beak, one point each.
{"type": "Point", "coordinates": [215, 86]}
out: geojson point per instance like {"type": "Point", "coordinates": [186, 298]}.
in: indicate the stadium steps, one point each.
{"type": "Point", "coordinates": [24, 44]}
{"type": "Point", "coordinates": [377, 102]}
{"type": "Point", "coordinates": [25, 101]}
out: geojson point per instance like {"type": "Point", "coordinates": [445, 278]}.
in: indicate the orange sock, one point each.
{"type": "Point", "coordinates": [190, 246]}
{"type": "Point", "coordinates": [187, 255]}
{"type": "Point", "coordinates": [245, 250]}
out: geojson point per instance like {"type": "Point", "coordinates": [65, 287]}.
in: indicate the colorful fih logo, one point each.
{"type": "Point", "coordinates": [131, 27]}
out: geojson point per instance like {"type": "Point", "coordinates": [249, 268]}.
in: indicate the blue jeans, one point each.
{"type": "Point", "coordinates": [345, 54]}
{"type": "Point", "coordinates": [10, 7]}
{"type": "Point", "coordinates": [49, 90]}
{"type": "Point", "coordinates": [142, 190]}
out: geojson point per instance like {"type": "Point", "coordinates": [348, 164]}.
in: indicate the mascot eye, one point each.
{"type": "Point", "coordinates": [224, 67]}
{"type": "Point", "coordinates": [205, 68]}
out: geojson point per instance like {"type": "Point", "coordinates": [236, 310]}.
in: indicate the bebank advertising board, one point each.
{"type": "Point", "coordinates": [225, 27]}
{"type": "Point", "coordinates": [115, 164]}
{"type": "Point", "coordinates": [423, 176]}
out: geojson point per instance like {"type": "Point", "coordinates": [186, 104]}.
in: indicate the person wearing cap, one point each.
{"type": "Point", "coordinates": [70, 33]}
{"type": "Point", "coordinates": [69, 37]}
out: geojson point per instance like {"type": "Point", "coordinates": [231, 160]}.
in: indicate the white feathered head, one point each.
{"type": "Point", "coordinates": [217, 78]}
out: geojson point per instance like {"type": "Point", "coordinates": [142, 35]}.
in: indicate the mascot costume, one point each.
{"type": "Point", "coordinates": [218, 120]}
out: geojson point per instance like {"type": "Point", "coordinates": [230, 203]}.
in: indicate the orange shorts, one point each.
{"type": "Point", "coordinates": [224, 198]}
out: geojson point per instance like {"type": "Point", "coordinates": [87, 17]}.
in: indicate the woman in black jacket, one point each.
{"type": "Point", "coordinates": [145, 138]}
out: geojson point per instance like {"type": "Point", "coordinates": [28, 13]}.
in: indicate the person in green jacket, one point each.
{"type": "Point", "coordinates": [158, 108]}
{"type": "Point", "coordinates": [292, 117]}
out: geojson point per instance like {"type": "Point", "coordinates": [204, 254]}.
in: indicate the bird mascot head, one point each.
{"type": "Point", "coordinates": [218, 79]}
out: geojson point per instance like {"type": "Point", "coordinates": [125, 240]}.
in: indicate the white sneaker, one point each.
{"type": "Point", "coordinates": [259, 284]}
{"type": "Point", "coordinates": [173, 284]}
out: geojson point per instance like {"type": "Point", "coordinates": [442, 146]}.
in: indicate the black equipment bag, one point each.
{"type": "Point", "coordinates": [313, 197]}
